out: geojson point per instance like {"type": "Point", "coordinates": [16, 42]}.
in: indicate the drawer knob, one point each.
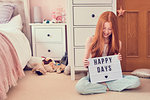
{"type": "Point", "coordinates": [48, 35]}
{"type": "Point", "coordinates": [49, 50]}
{"type": "Point", "coordinates": [93, 15]}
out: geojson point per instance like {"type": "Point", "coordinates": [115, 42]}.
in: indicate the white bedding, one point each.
{"type": "Point", "coordinates": [12, 30]}
{"type": "Point", "coordinates": [21, 44]}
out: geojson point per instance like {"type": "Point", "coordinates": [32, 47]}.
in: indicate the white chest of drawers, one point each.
{"type": "Point", "coordinates": [82, 19]}
{"type": "Point", "coordinates": [48, 40]}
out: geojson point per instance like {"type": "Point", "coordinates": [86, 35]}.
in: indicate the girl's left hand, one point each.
{"type": "Point", "coordinates": [119, 56]}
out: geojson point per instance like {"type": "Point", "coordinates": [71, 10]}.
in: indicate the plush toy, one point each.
{"type": "Point", "coordinates": [49, 64]}
{"type": "Point", "coordinates": [46, 21]}
{"type": "Point", "coordinates": [59, 17]}
{"type": "Point", "coordinates": [61, 14]}
{"type": "Point", "coordinates": [41, 65]}
{"type": "Point", "coordinates": [67, 70]}
{"type": "Point", "coordinates": [59, 68]}
{"type": "Point", "coordinates": [39, 70]}
{"type": "Point", "coordinates": [53, 20]}
{"type": "Point", "coordinates": [36, 64]}
{"type": "Point", "coordinates": [63, 17]}
{"type": "Point", "coordinates": [64, 61]}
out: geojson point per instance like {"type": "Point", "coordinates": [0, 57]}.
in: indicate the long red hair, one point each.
{"type": "Point", "coordinates": [97, 45]}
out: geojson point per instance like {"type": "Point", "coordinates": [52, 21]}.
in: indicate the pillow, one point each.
{"type": "Point", "coordinates": [14, 23]}
{"type": "Point", "coordinates": [143, 73]}
{"type": "Point", "coordinates": [6, 12]}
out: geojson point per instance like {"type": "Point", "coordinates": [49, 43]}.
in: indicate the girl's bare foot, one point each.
{"type": "Point", "coordinates": [106, 86]}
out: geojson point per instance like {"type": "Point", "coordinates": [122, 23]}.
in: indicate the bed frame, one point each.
{"type": "Point", "coordinates": [22, 8]}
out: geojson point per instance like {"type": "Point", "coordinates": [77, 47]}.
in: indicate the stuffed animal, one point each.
{"type": "Point", "coordinates": [67, 70]}
{"type": "Point", "coordinates": [49, 64]}
{"type": "Point", "coordinates": [53, 20]}
{"type": "Point", "coordinates": [46, 21]}
{"type": "Point", "coordinates": [60, 13]}
{"type": "Point", "coordinates": [60, 68]}
{"type": "Point", "coordinates": [35, 63]}
{"type": "Point", "coordinates": [59, 17]}
{"type": "Point", "coordinates": [41, 65]}
{"type": "Point", "coordinates": [64, 61]}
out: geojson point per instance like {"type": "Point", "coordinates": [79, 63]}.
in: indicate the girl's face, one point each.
{"type": "Point", "coordinates": [107, 29]}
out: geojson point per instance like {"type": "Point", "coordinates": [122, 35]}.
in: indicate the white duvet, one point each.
{"type": "Point", "coordinates": [20, 43]}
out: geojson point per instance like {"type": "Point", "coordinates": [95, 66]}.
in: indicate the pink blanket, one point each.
{"type": "Point", "coordinates": [10, 67]}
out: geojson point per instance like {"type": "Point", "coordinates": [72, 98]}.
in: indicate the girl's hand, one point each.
{"type": "Point", "coordinates": [86, 63]}
{"type": "Point", "coordinates": [119, 56]}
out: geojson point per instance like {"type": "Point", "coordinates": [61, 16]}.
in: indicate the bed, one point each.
{"type": "Point", "coordinates": [15, 41]}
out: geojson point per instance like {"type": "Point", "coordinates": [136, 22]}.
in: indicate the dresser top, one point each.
{"type": "Point", "coordinates": [51, 24]}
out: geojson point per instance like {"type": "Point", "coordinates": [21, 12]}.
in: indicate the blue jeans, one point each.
{"type": "Point", "coordinates": [84, 86]}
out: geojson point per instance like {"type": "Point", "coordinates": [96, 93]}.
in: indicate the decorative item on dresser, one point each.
{"type": "Point", "coordinates": [82, 19]}
{"type": "Point", "coordinates": [48, 40]}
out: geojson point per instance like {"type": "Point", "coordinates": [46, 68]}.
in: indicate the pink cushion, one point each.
{"type": "Point", "coordinates": [6, 12]}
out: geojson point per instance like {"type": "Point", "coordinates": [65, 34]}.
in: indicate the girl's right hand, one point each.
{"type": "Point", "coordinates": [86, 63]}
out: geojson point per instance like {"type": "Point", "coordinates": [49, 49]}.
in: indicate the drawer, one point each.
{"type": "Point", "coordinates": [56, 51]}
{"type": "Point", "coordinates": [81, 35]}
{"type": "Point", "coordinates": [91, 1]}
{"type": "Point", "coordinates": [48, 35]}
{"type": "Point", "coordinates": [79, 56]}
{"type": "Point", "coordinates": [88, 15]}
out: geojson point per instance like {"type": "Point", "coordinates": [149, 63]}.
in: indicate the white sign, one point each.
{"type": "Point", "coordinates": [103, 69]}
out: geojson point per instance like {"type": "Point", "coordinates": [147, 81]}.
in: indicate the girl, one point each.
{"type": "Point", "coordinates": [104, 43]}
